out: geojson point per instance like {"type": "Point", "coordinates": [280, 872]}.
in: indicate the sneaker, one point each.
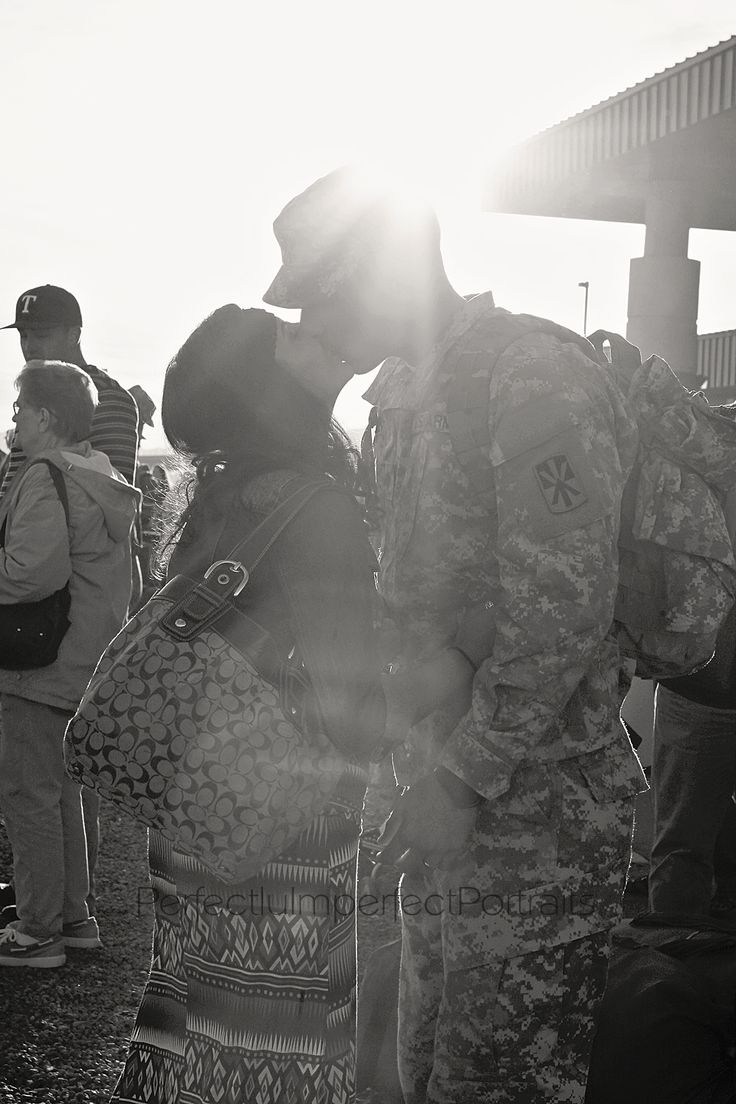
{"type": "Point", "coordinates": [18, 949]}
{"type": "Point", "coordinates": [7, 894]}
{"type": "Point", "coordinates": [8, 916]}
{"type": "Point", "coordinates": [82, 933]}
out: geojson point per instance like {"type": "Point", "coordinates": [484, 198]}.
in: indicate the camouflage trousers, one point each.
{"type": "Point", "coordinates": [502, 971]}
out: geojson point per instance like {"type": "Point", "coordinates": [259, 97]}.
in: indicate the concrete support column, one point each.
{"type": "Point", "coordinates": [664, 284]}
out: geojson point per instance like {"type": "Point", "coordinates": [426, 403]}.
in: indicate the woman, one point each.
{"type": "Point", "coordinates": [252, 988]}
{"type": "Point", "coordinates": [40, 553]}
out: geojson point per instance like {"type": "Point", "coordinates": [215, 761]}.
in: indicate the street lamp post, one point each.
{"type": "Point", "coordinates": [585, 284]}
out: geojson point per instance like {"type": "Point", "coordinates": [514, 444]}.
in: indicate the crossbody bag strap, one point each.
{"type": "Point", "coordinates": [60, 486]}
{"type": "Point", "coordinates": [59, 483]}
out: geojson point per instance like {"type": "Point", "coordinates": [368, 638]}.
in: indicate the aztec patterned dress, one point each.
{"type": "Point", "coordinates": [251, 994]}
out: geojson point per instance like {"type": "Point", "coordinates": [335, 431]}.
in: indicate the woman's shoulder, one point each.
{"type": "Point", "coordinates": [330, 530]}
{"type": "Point", "coordinates": [327, 521]}
{"type": "Point", "coordinates": [264, 493]}
{"type": "Point", "coordinates": [321, 494]}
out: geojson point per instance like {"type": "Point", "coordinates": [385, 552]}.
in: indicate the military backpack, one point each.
{"type": "Point", "coordinates": [677, 572]}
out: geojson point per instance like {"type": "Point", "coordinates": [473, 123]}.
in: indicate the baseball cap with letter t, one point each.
{"type": "Point", "coordinates": [42, 307]}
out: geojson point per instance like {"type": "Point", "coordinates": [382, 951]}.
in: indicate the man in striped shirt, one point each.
{"type": "Point", "coordinates": [49, 322]}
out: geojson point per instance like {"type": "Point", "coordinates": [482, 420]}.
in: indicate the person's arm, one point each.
{"type": "Point", "coordinates": [443, 681]}
{"type": "Point", "coordinates": [558, 483]}
{"type": "Point", "coordinates": [325, 566]}
{"type": "Point", "coordinates": [35, 560]}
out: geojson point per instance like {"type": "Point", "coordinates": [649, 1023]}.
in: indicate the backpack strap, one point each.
{"type": "Point", "coordinates": [624, 355]}
{"type": "Point", "coordinates": [467, 416]}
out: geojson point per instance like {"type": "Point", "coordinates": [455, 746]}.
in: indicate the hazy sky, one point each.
{"type": "Point", "coordinates": [149, 145]}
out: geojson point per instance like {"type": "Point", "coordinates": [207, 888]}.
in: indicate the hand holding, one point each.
{"type": "Point", "coordinates": [427, 827]}
{"type": "Point", "coordinates": [476, 633]}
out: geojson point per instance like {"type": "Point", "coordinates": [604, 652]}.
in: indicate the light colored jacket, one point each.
{"type": "Point", "coordinates": [40, 554]}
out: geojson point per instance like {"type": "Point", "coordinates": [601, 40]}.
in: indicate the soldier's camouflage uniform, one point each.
{"type": "Point", "coordinates": [502, 971]}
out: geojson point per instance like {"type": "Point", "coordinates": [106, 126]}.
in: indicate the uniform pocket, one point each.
{"type": "Point", "coordinates": [522, 1026]}
{"type": "Point", "coordinates": [518, 833]}
{"type": "Point", "coordinates": [526, 1014]}
{"type": "Point", "coordinates": [612, 774]}
{"type": "Point", "coordinates": [555, 1027]}
{"type": "Point", "coordinates": [534, 793]}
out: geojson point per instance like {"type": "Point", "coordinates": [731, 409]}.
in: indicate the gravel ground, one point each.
{"type": "Point", "coordinates": [64, 1033]}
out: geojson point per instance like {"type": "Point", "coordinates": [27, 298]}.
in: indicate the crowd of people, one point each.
{"type": "Point", "coordinates": [483, 663]}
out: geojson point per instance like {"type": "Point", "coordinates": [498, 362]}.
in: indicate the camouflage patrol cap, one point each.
{"type": "Point", "coordinates": [339, 221]}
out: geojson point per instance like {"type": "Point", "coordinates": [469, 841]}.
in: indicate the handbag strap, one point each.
{"type": "Point", "coordinates": [251, 549]}
{"type": "Point", "coordinates": [60, 486]}
{"type": "Point", "coordinates": [226, 578]}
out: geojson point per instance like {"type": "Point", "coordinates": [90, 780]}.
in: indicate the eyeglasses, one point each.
{"type": "Point", "coordinates": [18, 409]}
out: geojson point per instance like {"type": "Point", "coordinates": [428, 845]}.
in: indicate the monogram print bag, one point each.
{"type": "Point", "coordinates": [196, 726]}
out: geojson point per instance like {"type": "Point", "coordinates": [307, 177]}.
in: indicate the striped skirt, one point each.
{"type": "Point", "coordinates": [251, 994]}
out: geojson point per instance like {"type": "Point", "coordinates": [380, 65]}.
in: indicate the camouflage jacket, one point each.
{"type": "Point", "coordinates": [542, 547]}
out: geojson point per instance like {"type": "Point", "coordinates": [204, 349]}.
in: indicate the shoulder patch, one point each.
{"type": "Point", "coordinates": [550, 488]}
{"type": "Point", "coordinates": [559, 484]}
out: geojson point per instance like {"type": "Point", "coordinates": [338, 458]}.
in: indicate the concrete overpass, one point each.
{"type": "Point", "coordinates": [662, 153]}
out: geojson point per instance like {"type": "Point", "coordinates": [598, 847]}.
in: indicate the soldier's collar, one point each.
{"type": "Point", "coordinates": [476, 307]}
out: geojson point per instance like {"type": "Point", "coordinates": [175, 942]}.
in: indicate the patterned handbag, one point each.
{"type": "Point", "coordinates": [195, 724]}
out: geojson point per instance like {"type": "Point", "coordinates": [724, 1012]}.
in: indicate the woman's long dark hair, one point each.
{"type": "Point", "coordinates": [231, 412]}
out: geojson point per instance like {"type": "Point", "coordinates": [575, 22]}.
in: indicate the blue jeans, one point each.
{"type": "Point", "coordinates": [694, 777]}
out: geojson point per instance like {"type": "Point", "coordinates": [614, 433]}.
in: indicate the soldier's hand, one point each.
{"type": "Point", "coordinates": [401, 705]}
{"type": "Point", "coordinates": [476, 633]}
{"type": "Point", "coordinates": [442, 681]}
{"type": "Point", "coordinates": [427, 828]}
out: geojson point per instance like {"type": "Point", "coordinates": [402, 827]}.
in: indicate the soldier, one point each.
{"type": "Point", "coordinates": [515, 830]}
